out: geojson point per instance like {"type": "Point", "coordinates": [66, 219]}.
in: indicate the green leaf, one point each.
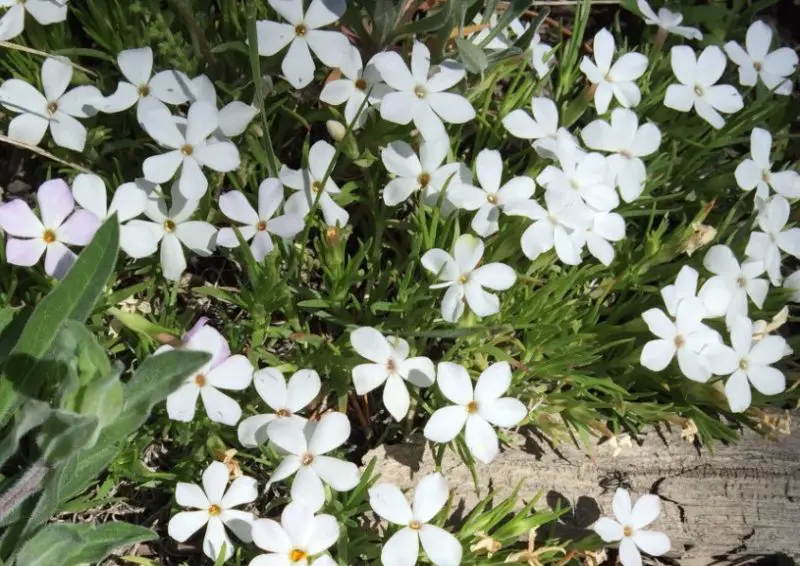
{"type": "Point", "coordinates": [513, 11]}
{"type": "Point", "coordinates": [65, 433]}
{"type": "Point", "coordinates": [385, 14]}
{"type": "Point", "coordinates": [472, 56]}
{"type": "Point", "coordinates": [32, 415]}
{"type": "Point", "coordinates": [50, 546]}
{"type": "Point", "coordinates": [12, 321]}
{"type": "Point", "coordinates": [429, 23]}
{"type": "Point", "coordinates": [73, 298]}
{"type": "Point", "coordinates": [102, 540]}
{"type": "Point", "coordinates": [157, 377]}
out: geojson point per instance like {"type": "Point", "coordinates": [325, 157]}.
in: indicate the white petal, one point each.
{"type": "Point", "coordinates": [402, 549]}
{"type": "Point", "coordinates": [304, 386]}
{"type": "Point", "coordinates": [216, 537]}
{"type": "Point", "coordinates": [608, 529]}
{"type": "Point", "coordinates": [181, 404]}
{"type": "Point", "coordinates": [684, 65]}
{"type": "Point", "coordinates": [767, 380]}
{"type": "Point", "coordinates": [679, 97]}
{"type": "Point", "coordinates": [453, 303]}
{"type": "Point", "coordinates": [197, 236]}
{"type": "Point", "coordinates": [298, 66]}
{"type": "Point", "coordinates": [481, 439]}
{"type": "Point", "coordinates": [12, 23]}
{"type": "Point", "coordinates": [399, 158]}
{"type": "Point", "coordinates": [81, 101]}
{"type": "Point", "coordinates": [505, 412]}
{"type": "Point", "coordinates": [186, 523]}
{"type": "Point", "coordinates": [273, 36]}
{"type": "Point", "coordinates": [307, 489]}
{"type": "Point", "coordinates": [388, 501]}
{"type": "Point", "coordinates": [445, 423]}
{"type": "Point", "coordinates": [480, 301]}
{"type": "Point", "coordinates": [401, 107]}
{"type": "Point", "coordinates": [652, 542]}
{"type": "Point", "coordinates": [604, 48]}
{"type": "Point", "coordinates": [330, 47]}
{"type": "Point", "coordinates": [657, 354]}
{"type": "Point", "coordinates": [252, 431]}
{"type": "Point", "coordinates": [332, 431]}
{"type": "Point", "coordinates": [442, 548]}
{"type": "Point", "coordinates": [449, 74]}
{"type": "Point", "coordinates": [158, 123]}
{"type": "Point", "coordinates": [218, 156]}
{"type": "Point", "coordinates": [454, 383]}
{"type": "Point", "coordinates": [67, 131]}
{"type": "Point", "coordinates": [645, 511]}
{"type": "Point", "coordinates": [56, 76]}
{"type": "Point", "coordinates": [396, 398]}
{"type": "Point", "coordinates": [28, 128]}
{"type": "Point", "coordinates": [629, 67]}
{"type": "Point", "coordinates": [242, 490]}
{"type": "Point", "coordinates": [440, 263]}
{"type": "Point", "coordinates": [493, 382]}
{"type": "Point", "coordinates": [325, 531]}
{"type": "Point", "coordinates": [452, 108]}
{"type": "Point", "coordinates": [340, 475]}
{"type": "Point", "coordinates": [621, 505]}
{"type": "Point", "coordinates": [394, 71]}
{"type": "Point", "coordinates": [234, 374]}
{"type": "Point", "coordinates": [737, 390]}
{"type": "Point", "coordinates": [269, 535]}
{"type": "Point", "coordinates": [219, 407]}
{"type": "Point", "coordinates": [426, 120]}
{"type": "Point", "coordinates": [235, 206]}
{"type": "Point", "coordinates": [172, 87]}
{"type": "Point", "coordinates": [430, 496]}
{"type": "Point", "coordinates": [628, 553]}
{"type": "Point", "coordinates": [191, 495]}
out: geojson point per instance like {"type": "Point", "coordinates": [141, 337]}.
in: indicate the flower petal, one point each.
{"type": "Point", "coordinates": [325, 531]}
{"type": "Point", "coordinates": [621, 504]}
{"type": "Point", "coordinates": [455, 383]}
{"type": "Point", "coordinates": [219, 407]}
{"type": "Point", "coordinates": [370, 344]}
{"type": "Point", "coordinates": [737, 390]}
{"type": "Point", "coordinates": [79, 228]}
{"type": "Point", "coordinates": [445, 423]}
{"type": "Point", "coordinates": [307, 489]}
{"type": "Point", "coordinates": [767, 380]}
{"type": "Point", "coordinates": [171, 87]}
{"type": "Point", "coordinates": [505, 412]}
{"type": "Point", "coordinates": [388, 502]}
{"type": "Point", "coordinates": [628, 553]}
{"type": "Point", "coordinates": [395, 397]}
{"type": "Point", "coordinates": [608, 529]}
{"type": "Point", "coordinates": [652, 542]}
{"type": "Point", "coordinates": [645, 511]}
{"type": "Point", "coordinates": [340, 475]}
{"type": "Point", "coordinates": [191, 495]}
{"type": "Point", "coordinates": [186, 523]}
{"type": "Point", "coordinates": [67, 131]}
{"type": "Point", "coordinates": [270, 536]}
{"type": "Point", "coordinates": [452, 108]}
{"type": "Point", "coordinates": [298, 66]}
{"type": "Point", "coordinates": [441, 547]}
{"type": "Point", "coordinates": [17, 219]}
{"type": "Point", "coordinates": [332, 431]}
{"type": "Point", "coordinates": [402, 549]}
{"type": "Point", "coordinates": [481, 439]}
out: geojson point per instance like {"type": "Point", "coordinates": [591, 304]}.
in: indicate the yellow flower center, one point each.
{"type": "Point", "coordinates": [472, 407]}
{"type": "Point", "coordinates": [297, 555]}
{"type": "Point", "coordinates": [420, 91]}
{"type": "Point", "coordinates": [492, 199]}
{"type": "Point", "coordinates": [300, 30]}
{"type": "Point", "coordinates": [415, 525]}
{"type": "Point", "coordinates": [214, 510]}
{"type": "Point", "coordinates": [316, 187]}
{"type": "Point", "coordinates": [423, 179]}
{"type": "Point", "coordinates": [283, 413]}
{"type": "Point", "coordinates": [261, 226]}
{"type": "Point", "coordinates": [143, 90]}
{"type": "Point", "coordinates": [308, 458]}
{"type": "Point", "coordinates": [49, 236]}
{"type": "Point", "coordinates": [463, 279]}
{"type": "Point", "coordinates": [627, 531]}
{"type": "Point", "coordinates": [200, 380]}
{"type": "Point", "coordinates": [169, 226]}
{"type": "Point", "coordinates": [187, 149]}
{"type": "Point", "coordinates": [361, 84]}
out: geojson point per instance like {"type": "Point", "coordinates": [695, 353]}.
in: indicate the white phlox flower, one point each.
{"type": "Point", "coordinates": [605, 228]}
{"type": "Point", "coordinates": [698, 89]}
{"type": "Point", "coordinates": [586, 175]}
{"type": "Point", "coordinates": [307, 450]}
{"type": "Point", "coordinates": [357, 84]}
{"type": "Point", "coordinates": [726, 292]}
{"type": "Point", "coordinates": [170, 87]}
{"type": "Point", "coordinates": [427, 172]}
{"type": "Point", "coordinates": [613, 80]}
{"type": "Point", "coordinates": [234, 117]}
{"type": "Point", "coordinates": [748, 362]}
{"type": "Point", "coordinates": [554, 225]}
{"type": "Point", "coordinates": [421, 92]}
{"type": "Point", "coordinates": [775, 69]}
{"type": "Point", "coordinates": [465, 281]}
{"type": "Point", "coordinates": [215, 509]}
{"type": "Point", "coordinates": [667, 20]}
{"type": "Point", "coordinates": [172, 227]}
{"type": "Point", "coordinates": [402, 548]}
{"type": "Point", "coordinates": [542, 128]}
{"type": "Point", "coordinates": [223, 371]}
{"type": "Point", "coordinates": [774, 237]}
{"type": "Point", "coordinates": [628, 143]}
{"type": "Point", "coordinates": [628, 527]}
{"type": "Point", "coordinates": [475, 411]}
{"type": "Point", "coordinates": [128, 202]}
{"type": "Point", "coordinates": [45, 12]}
{"type": "Point", "coordinates": [298, 540]}
{"type": "Point", "coordinates": [56, 109]}
{"type": "Point", "coordinates": [190, 149]}
{"type": "Point", "coordinates": [285, 400]}
{"type": "Point", "coordinates": [391, 365]}
{"type": "Point", "coordinates": [490, 198]}
{"type": "Point", "coordinates": [755, 172]}
{"type": "Point", "coordinates": [259, 226]}
{"type": "Point", "coordinates": [301, 33]}
{"type": "Point", "coordinates": [684, 337]}
{"type": "Point", "coordinates": [685, 286]}
{"type": "Point", "coordinates": [309, 186]}
{"type": "Point", "coordinates": [28, 238]}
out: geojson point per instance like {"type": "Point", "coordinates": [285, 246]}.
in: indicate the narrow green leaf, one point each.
{"type": "Point", "coordinates": [513, 11]}
{"type": "Point", "coordinates": [472, 56]}
{"type": "Point", "coordinates": [439, 20]}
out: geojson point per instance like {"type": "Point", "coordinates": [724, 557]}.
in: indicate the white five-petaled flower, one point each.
{"type": "Point", "coordinates": [685, 337]}
{"type": "Point", "coordinates": [424, 173]}
{"type": "Point", "coordinates": [774, 237]}
{"type": "Point", "coordinates": [171, 226]}
{"type": "Point", "coordinates": [586, 175]}
{"type": "Point", "coordinates": [390, 365]}
{"type": "Point", "coordinates": [748, 362]}
{"type": "Point", "coordinates": [258, 226]}
{"type": "Point", "coordinates": [629, 528]}
{"type": "Point", "coordinates": [306, 454]}
{"type": "Point", "coordinates": [297, 539]}
{"type": "Point", "coordinates": [189, 149]}
{"type": "Point", "coordinates": [309, 187]}
{"type": "Point", "coordinates": [55, 109]}
{"type": "Point", "coordinates": [685, 286]}
{"type": "Point", "coordinates": [215, 510]}
{"type": "Point", "coordinates": [45, 12]}
{"type": "Point", "coordinates": [775, 69]}
{"type": "Point", "coordinates": [61, 225]}
{"type": "Point", "coordinates": [756, 170]}
{"type": "Point", "coordinates": [402, 548]}
{"type": "Point", "coordinates": [357, 84]}
{"type": "Point", "coordinates": [475, 410]}
{"type": "Point", "coordinates": [667, 20]}
{"type": "Point", "coordinates": [698, 89]}
{"type": "Point", "coordinates": [285, 400]}
{"type": "Point", "coordinates": [234, 117]}
{"type": "Point", "coordinates": [129, 201]}
{"type": "Point", "coordinates": [301, 33]}
{"type": "Point", "coordinates": [726, 292]}
{"type": "Point", "coordinates": [223, 371]}
{"type": "Point", "coordinates": [628, 143]}
{"type": "Point", "coordinates": [465, 280]}
{"type": "Point", "coordinates": [542, 127]}
{"type": "Point", "coordinates": [421, 96]}
{"type": "Point", "coordinates": [170, 87]}
{"type": "Point", "coordinates": [490, 198]}
{"type": "Point", "coordinates": [554, 226]}
{"type": "Point", "coordinates": [606, 227]}
{"type": "Point", "coordinates": [615, 80]}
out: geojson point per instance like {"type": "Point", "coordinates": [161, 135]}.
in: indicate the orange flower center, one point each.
{"type": "Point", "coordinates": [679, 341]}
{"type": "Point", "coordinates": [361, 84]}
{"type": "Point", "coordinates": [300, 30]}
{"type": "Point", "coordinates": [420, 91]}
{"type": "Point", "coordinates": [308, 458]}
{"type": "Point", "coordinates": [472, 407]}
{"type": "Point", "coordinates": [169, 226]}
{"type": "Point", "coordinates": [297, 555]}
{"type": "Point", "coordinates": [463, 279]}
{"type": "Point", "coordinates": [187, 149]}
{"type": "Point", "coordinates": [200, 380]}
{"type": "Point", "coordinates": [627, 531]}
{"type": "Point", "coordinates": [415, 525]}
{"type": "Point", "coordinates": [49, 236]}
{"type": "Point", "coordinates": [492, 199]}
{"type": "Point", "coordinates": [143, 90]}
{"type": "Point", "coordinates": [316, 187]}
{"type": "Point", "coordinates": [423, 180]}
{"type": "Point", "coordinates": [283, 413]}
{"type": "Point", "coordinates": [261, 226]}
{"type": "Point", "coordinates": [214, 510]}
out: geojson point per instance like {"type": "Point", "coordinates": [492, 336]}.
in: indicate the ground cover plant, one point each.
{"type": "Point", "coordinates": [312, 228]}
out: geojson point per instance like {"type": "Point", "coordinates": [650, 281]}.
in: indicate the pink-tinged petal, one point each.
{"type": "Point", "coordinates": [79, 229]}
{"type": "Point", "coordinates": [58, 259]}
{"type": "Point", "coordinates": [24, 253]}
{"type": "Point", "coordinates": [17, 219]}
{"type": "Point", "coordinates": [55, 202]}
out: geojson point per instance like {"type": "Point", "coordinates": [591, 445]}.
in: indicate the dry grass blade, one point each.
{"type": "Point", "coordinates": [42, 152]}
{"type": "Point", "coordinates": [10, 45]}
